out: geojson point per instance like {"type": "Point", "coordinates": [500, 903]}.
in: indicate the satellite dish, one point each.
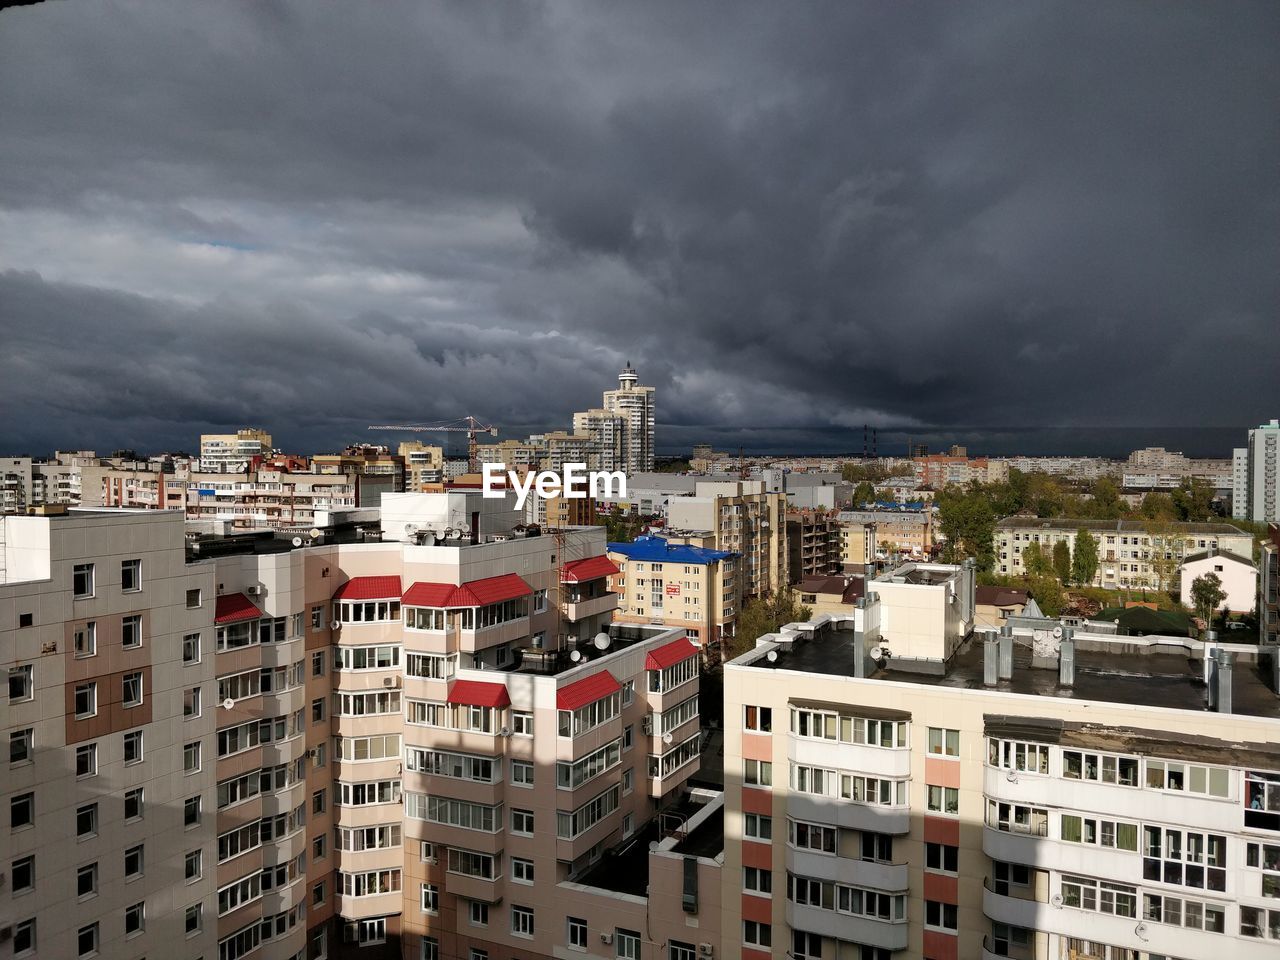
{"type": "Point", "coordinates": [228, 703]}
{"type": "Point", "coordinates": [316, 533]}
{"type": "Point", "coordinates": [601, 641]}
{"type": "Point", "coordinates": [505, 732]}
{"type": "Point", "coordinates": [772, 656]}
{"type": "Point", "coordinates": [877, 652]}
{"type": "Point", "coordinates": [667, 738]}
{"type": "Point", "coordinates": [1011, 776]}
{"type": "Point", "coordinates": [1057, 633]}
{"type": "Point", "coordinates": [428, 539]}
{"type": "Point", "coordinates": [455, 534]}
{"type": "Point", "coordinates": [297, 541]}
{"type": "Point", "coordinates": [575, 655]}
{"type": "Point", "coordinates": [1057, 900]}
{"type": "Point", "coordinates": [411, 528]}
{"type": "Point", "coordinates": [447, 533]}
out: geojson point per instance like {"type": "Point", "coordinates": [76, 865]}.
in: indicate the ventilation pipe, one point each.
{"type": "Point", "coordinates": [1067, 659]}
{"type": "Point", "coordinates": [1006, 651]}
{"type": "Point", "coordinates": [991, 650]}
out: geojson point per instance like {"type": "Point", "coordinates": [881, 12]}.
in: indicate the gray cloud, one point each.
{"type": "Point", "coordinates": [791, 218]}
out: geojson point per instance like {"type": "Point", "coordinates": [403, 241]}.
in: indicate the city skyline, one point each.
{"type": "Point", "coordinates": [804, 220]}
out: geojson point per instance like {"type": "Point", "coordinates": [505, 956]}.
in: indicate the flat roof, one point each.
{"type": "Point", "coordinates": [1142, 677]}
{"type": "Point", "coordinates": [1115, 526]}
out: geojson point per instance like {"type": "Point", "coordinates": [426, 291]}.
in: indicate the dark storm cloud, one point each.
{"type": "Point", "coordinates": [790, 217]}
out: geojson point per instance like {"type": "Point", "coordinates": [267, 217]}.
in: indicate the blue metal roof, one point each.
{"type": "Point", "coordinates": [658, 550]}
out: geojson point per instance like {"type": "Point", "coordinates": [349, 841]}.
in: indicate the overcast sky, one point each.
{"type": "Point", "coordinates": [810, 216]}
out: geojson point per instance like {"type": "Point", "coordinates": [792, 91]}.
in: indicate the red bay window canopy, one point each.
{"type": "Point", "coordinates": [369, 588]}
{"type": "Point", "coordinates": [233, 608]}
{"type": "Point", "coordinates": [477, 593]}
{"type": "Point", "coordinates": [669, 654]}
{"type": "Point", "coordinates": [592, 568]}
{"type": "Point", "coordinates": [587, 690]}
{"type": "Point", "coordinates": [477, 693]}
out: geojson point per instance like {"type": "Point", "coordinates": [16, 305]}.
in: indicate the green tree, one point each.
{"type": "Point", "coordinates": [1193, 500]}
{"type": "Point", "coordinates": [761, 615]}
{"type": "Point", "coordinates": [1166, 551]}
{"type": "Point", "coordinates": [1062, 561]}
{"type": "Point", "coordinates": [1207, 595]}
{"type": "Point", "coordinates": [1106, 503]}
{"type": "Point", "coordinates": [967, 521]}
{"type": "Point", "coordinates": [1158, 506]}
{"type": "Point", "coordinates": [864, 492]}
{"type": "Point", "coordinates": [1047, 592]}
{"type": "Point", "coordinates": [1035, 562]}
{"type": "Point", "coordinates": [1084, 560]}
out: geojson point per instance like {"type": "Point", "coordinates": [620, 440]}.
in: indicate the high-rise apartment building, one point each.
{"type": "Point", "coordinates": [423, 464]}
{"type": "Point", "coordinates": [610, 432]}
{"type": "Point", "coordinates": [742, 517]}
{"type": "Point", "coordinates": [232, 451]}
{"type": "Point", "coordinates": [353, 749]}
{"type": "Point", "coordinates": [898, 789]}
{"type": "Point", "coordinates": [1269, 587]}
{"type": "Point", "coordinates": [633, 403]}
{"type": "Point", "coordinates": [813, 544]}
{"type": "Point", "coordinates": [1255, 477]}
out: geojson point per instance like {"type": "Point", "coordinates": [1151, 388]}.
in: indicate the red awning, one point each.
{"type": "Point", "coordinates": [477, 593]}
{"type": "Point", "coordinates": [587, 690]}
{"type": "Point", "coordinates": [369, 588]}
{"type": "Point", "coordinates": [592, 568]}
{"type": "Point", "coordinates": [477, 693]}
{"type": "Point", "coordinates": [669, 654]}
{"type": "Point", "coordinates": [235, 607]}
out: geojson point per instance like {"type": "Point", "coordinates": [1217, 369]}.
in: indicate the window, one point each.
{"type": "Point", "coordinates": [628, 692]}
{"type": "Point", "coordinates": [1188, 777]}
{"type": "Point", "coordinates": [191, 648]}
{"type": "Point", "coordinates": [944, 800]}
{"type": "Point", "coordinates": [85, 639]}
{"type": "Point", "coordinates": [757, 719]}
{"type": "Point", "coordinates": [573, 723]}
{"type": "Point", "coordinates": [87, 881]}
{"type": "Point", "coordinates": [522, 821]}
{"type": "Point", "coordinates": [21, 745]}
{"type": "Point", "coordinates": [193, 598]}
{"type": "Point", "coordinates": [756, 826]}
{"type": "Point", "coordinates": [478, 954]}
{"type": "Point", "coordinates": [24, 937]}
{"type": "Point", "coordinates": [1254, 921]}
{"type": "Point", "coordinates": [133, 862]}
{"type": "Point", "coordinates": [382, 837]}
{"type": "Point", "coordinates": [521, 921]}
{"type": "Point", "coordinates": [1080, 765]}
{"type": "Point", "coordinates": [317, 710]}
{"type": "Point", "coordinates": [626, 944]}
{"type": "Point", "coordinates": [131, 631]}
{"type": "Point", "coordinates": [812, 836]}
{"type": "Point", "coordinates": [1187, 858]}
{"type": "Point", "coordinates": [522, 723]}
{"type": "Point", "coordinates": [87, 760]}
{"type": "Point", "coordinates": [82, 581]}
{"type": "Point", "coordinates": [369, 883]}
{"type": "Point", "coordinates": [940, 916]}
{"type": "Point", "coordinates": [86, 700]}
{"type": "Point", "coordinates": [21, 685]}
{"type": "Point", "coordinates": [628, 780]}
{"type": "Point", "coordinates": [571, 775]}
{"type": "Point", "coordinates": [192, 866]}
{"type": "Point", "coordinates": [134, 919]}
{"type": "Point", "coordinates": [522, 773]}
{"type": "Point", "coordinates": [130, 575]}
{"type": "Point", "coordinates": [1016, 818]}
{"type": "Point", "coordinates": [87, 821]}
{"type": "Point", "coordinates": [87, 939]}
{"type": "Point", "coordinates": [1116, 834]}
{"type": "Point", "coordinates": [131, 689]}
{"type": "Point", "coordinates": [1015, 941]}
{"type": "Point", "coordinates": [755, 934]}
{"type": "Point", "coordinates": [572, 825]}
{"type": "Point", "coordinates": [755, 880]}
{"type": "Point", "coordinates": [479, 913]}
{"type": "Point", "coordinates": [678, 950]}
{"type": "Point", "coordinates": [23, 873]}
{"type": "Point", "coordinates": [944, 743]}
{"type": "Point", "coordinates": [191, 757]}
{"type": "Point", "coordinates": [430, 898]}
{"type": "Point", "coordinates": [192, 809]}
{"type": "Point", "coordinates": [133, 804]}
{"type": "Point", "coordinates": [318, 894]}
{"type": "Point", "coordinates": [193, 919]}
{"type": "Point", "coordinates": [757, 773]}
{"type": "Point", "coordinates": [1084, 893]}
{"type": "Point", "coordinates": [1017, 755]}
{"type": "Point", "coordinates": [877, 847]}
{"type": "Point", "coordinates": [628, 736]}
{"type": "Point", "coordinates": [191, 703]}
{"type": "Point", "coordinates": [319, 847]}
{"type": "Point", "coordinates": [577, 933]}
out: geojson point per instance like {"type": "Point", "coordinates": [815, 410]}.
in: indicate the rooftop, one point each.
{"type": "Point", "coordinates": [659, 550]}
{"type": "Point", "coordinates": [999, 596]}
{"type": "Point", "coordinates": [552, 662]}
{"type": "Point", "coordinates": [625, 868]}
{"type": "Point", "coordinates": [1114, 526]}
{"type": "Point", "coordinates": [1142, 674]}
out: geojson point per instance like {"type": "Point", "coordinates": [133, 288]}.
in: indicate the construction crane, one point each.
{"type": "Point", "coordinates": [471, 428]}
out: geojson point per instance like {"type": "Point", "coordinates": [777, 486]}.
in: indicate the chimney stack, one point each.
{"type": "Point", "coordinates": [1221, 667]}
{"type": "Point", "coordinates": [991, 651]}
{"type": "Point", "coordinates": [1006, 652]}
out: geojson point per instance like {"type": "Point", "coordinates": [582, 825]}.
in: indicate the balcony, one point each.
{"type": "Point", "coordinates": [850, 816]}
{"type": "Point", "coordinates": [580, 610]}
{"type": "Point", "coordinates": [828, 923]}
{"type": "Point", "coordinates": [474, 888]}
{"type": "Point", "coordinates": [885, 877]}
{"type": "Point", "coordinates": [375, 905]}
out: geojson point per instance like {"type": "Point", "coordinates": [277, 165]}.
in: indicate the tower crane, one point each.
{"type": "Point", "coordinates": [468, 425]}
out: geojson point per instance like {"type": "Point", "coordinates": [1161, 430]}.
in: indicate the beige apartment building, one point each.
{"type": "Point", "coordinates": [857, 544]}
{"type": "Point", "coordinates": [233, 451]}
{"type": "Point", "coordinates": [1047, 795]}
{"type": "Point", "coordinates": [741, 517]}
{"type": "Point", "coordinates": [633, 403]}
{"type": "Point", "coordinates": [689, 588]}
{"type": "Point", "coordinates": [287, 496]}
{"type": "Point", "coordinates": [1125, 547]}
{"type": "Point", "coordinates": [423, 464]}
{"type": "Point", "coordinates": [906, 532]}
{"type": "Point", "coordinates": [364, 749]}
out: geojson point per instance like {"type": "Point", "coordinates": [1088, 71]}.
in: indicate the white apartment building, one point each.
{"type": "Point", "coordinates": [1238, 575]}
{"type": "Point", "coordinates": [1053, 796]}
{"type": "Point", "coordinates": [635, 405]}
{"type": "Point", "coordinates": [1256, 476]}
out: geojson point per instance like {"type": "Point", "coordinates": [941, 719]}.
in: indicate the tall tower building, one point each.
{"type": "Point", "coordinates": [634, 403]}
{"type": "Point", "coordinates": [1255, 476]}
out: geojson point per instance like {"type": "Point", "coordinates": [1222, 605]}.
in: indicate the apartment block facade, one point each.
{"type": "Point", "coordinates": [1044, 796]}
{"type": "Point", "coordinates": [1256, 476]}
{"type": "Point", "coordinates": [814, 542]}
{"type": "Point", "coordinates": [908, 532]}
{"type": "Point", "coordinates": [1126, 548]}
{"type": "Point", "coordinates": [741, 517]}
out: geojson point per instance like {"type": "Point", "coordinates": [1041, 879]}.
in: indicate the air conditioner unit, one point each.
{"type": "Point", "coordinates": [606, 938]}
{"type": "Point", "coordinates": [706, 949]}
{"type": "Point", "coordinates": [646, 725]}
{"type": "Point", "coordinates": [391, 681]}
{"type": "Point", "coordinates": [253, 591]}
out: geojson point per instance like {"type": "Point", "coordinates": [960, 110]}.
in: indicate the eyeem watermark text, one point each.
{"type": "Point", "coordinates": [577, 483]}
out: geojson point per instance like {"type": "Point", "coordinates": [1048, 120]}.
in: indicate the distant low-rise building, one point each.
{"type": "Point", "coordinates": [1239, 577]}
{"type": "Point", "coordinates": [834, 595]}
{"type": "Point", "coordinates": [994, 605]}
{"type": "Point", "coordinates": [905, 531]}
